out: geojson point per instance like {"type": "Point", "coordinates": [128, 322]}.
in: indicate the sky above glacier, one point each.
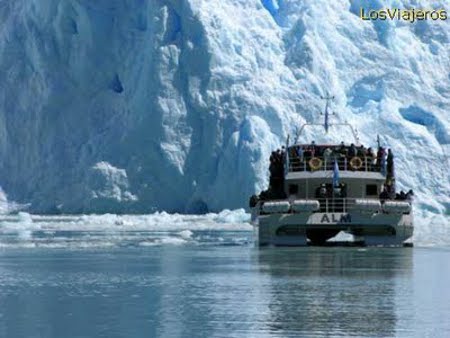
{"type": "Point", "coordinates": [139, 106]}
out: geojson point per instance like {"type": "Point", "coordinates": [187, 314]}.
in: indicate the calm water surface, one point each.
{"type": "Point", "coordinates": [224, 291]}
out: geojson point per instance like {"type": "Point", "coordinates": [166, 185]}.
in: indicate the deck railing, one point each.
{"type": "Point", "coordinates": [340, 205]}
{"type": "Point", "coordinates": [330, 205]}
{"type": "Point", "coordinates": [318, 163]}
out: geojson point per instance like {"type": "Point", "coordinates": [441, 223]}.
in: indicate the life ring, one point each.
{"type": "Point", "coordinates": [315, 163]}
{"type": "Point", "coordinates": [356, 163]}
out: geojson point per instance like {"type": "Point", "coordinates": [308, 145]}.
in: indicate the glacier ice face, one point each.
{"type": "Point", "coordinates": [137, 106]}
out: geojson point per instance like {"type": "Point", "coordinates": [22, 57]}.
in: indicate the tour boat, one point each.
{"type": "Point", "coordinates": [319, 190]}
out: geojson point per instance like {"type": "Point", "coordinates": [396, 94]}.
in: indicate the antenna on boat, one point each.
{"type": "Point", "coordinates": [328, 99]}
{"type": "Point", "coordinates": [297, 134]}
{"type": "Point", "coordinates": [327, 124]}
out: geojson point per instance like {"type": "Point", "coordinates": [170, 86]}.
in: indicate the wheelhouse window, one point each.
{"type": "Point", "coordinates": [371, 190]}
{"type": "Point", "coordinates": [293, 189]}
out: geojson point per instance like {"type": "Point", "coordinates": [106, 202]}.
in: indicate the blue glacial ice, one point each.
{"type": "Point", "coordinates": [141, 106]}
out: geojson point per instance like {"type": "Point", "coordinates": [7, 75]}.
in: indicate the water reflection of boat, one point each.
{"type": "Point", "coordinates": [318, 190]}
{"type": "Point", "coordinates": [334, 291]}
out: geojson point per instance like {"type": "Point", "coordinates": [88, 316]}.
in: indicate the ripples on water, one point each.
{"type": "Point", "coordinates": [189, 280]}
{"type": "Point", "coordinates": [116, 239]}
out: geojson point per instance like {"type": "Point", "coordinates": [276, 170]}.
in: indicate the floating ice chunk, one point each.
{"type": "Point", "coordinates": [24, 218]}
{"type": "Point", "coordinates": [186, 234]}
{"type": "Point", "coordinates": [232, 216]}
{"type": "Point", "coordinates": [109, 182]}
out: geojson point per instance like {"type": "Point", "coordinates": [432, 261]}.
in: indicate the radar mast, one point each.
{"type": "Point", "coordinates": [327, 124]}
{"type": "Point", "coordinates": [326, 114]}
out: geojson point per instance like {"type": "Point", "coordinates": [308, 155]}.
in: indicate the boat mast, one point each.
{"type": "Point", "coordinates": [326, 123]}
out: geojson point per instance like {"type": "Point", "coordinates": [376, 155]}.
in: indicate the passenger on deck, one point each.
{"type": "Point", "coordinates": [380, 153]}
{"type": "Point", "coordinates": [409, 195]}
{"type": "Point", "coordinates": [278, 157]}
{"type": "Point", "coordinates": [323, 191]}
{"type": "Point", "coordinates": [390, 163]}
{"type": "Point", "coordinates": [313, 149]}
{"type": "Point", "coordinates": [321, 194]}
{"type": "Point", "coordinates": [381, 158]}
{"type": "Point", "coordinates": [384, 195]}
{"type": "Point", "coordinates": [337, 191]}
{"type": "Point", "coordinates": [300, 153]}
{"type": "Point", "coordinates": [327, 154]}
{"type": "Point", "coordinates": [390, 187]}
{"type": "Point", "coordinates": [362, 151]}
{"type": "Point", "coordinates": [276, 168]}
{"type": "Point", "coordinates": [272, 162]}
{"type": "Point", "coordinates": [343, 151]}
{"type": "Point", "coordinates": [343, 190]}
{"type": "Point", "coordinates": [353, 151]}
{"type": "Point", "coordinates": [319, 151]}
{"type": "Point", "coordinates": [307, 154]}
{"type": "Point", "coordinates": [402, 196]}
{"type": "Point", "coordinates": [280, 163]}
{"type": "Point", "coordinates": [371, 156]}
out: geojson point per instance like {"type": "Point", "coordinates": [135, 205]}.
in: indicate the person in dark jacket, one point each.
{"type": "Point", "coordinates": [409, 196]}
{"type": "Point", "coordinates": [381, 159]}
{"type": "Point", "coordinates": [384, 195]}
{"type": "Point", "coordinates": [390, 163]}
{"type": "Point", "coordinates": [353, 151]}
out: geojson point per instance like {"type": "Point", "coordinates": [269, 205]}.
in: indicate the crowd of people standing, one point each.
{"type": "Point", "coordinates": [380, 160]}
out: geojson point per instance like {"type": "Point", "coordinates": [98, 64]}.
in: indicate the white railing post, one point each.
{"type": "Point", "coordinates": [287, 164]}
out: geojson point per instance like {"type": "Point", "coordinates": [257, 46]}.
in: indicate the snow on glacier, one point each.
{"type": "Point", "coordinates": [182, 101]}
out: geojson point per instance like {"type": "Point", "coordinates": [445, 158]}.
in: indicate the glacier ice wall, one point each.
{"type": "Point", "coordinates": [144, 105]}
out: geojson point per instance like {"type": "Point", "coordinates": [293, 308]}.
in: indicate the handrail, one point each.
{"type": "Point", "coordinates": [368, 164]}
{"type": "Point", "coordinates": [330, 205]}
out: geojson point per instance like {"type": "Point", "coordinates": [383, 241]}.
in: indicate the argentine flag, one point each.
{"type": "Point", "coordinates": [336, 175]}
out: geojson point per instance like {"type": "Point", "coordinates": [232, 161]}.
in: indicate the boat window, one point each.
{"type": "Point", "coordinates": [293, 189]}
{"type": "Point", "coordinates": [371, 190]}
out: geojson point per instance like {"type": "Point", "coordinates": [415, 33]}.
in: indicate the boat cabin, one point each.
{"type": "Point", "coordinates": [334, 174]}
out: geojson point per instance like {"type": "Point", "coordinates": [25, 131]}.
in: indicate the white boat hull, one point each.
{"type": "Point", "coordinates": [293, 229]}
